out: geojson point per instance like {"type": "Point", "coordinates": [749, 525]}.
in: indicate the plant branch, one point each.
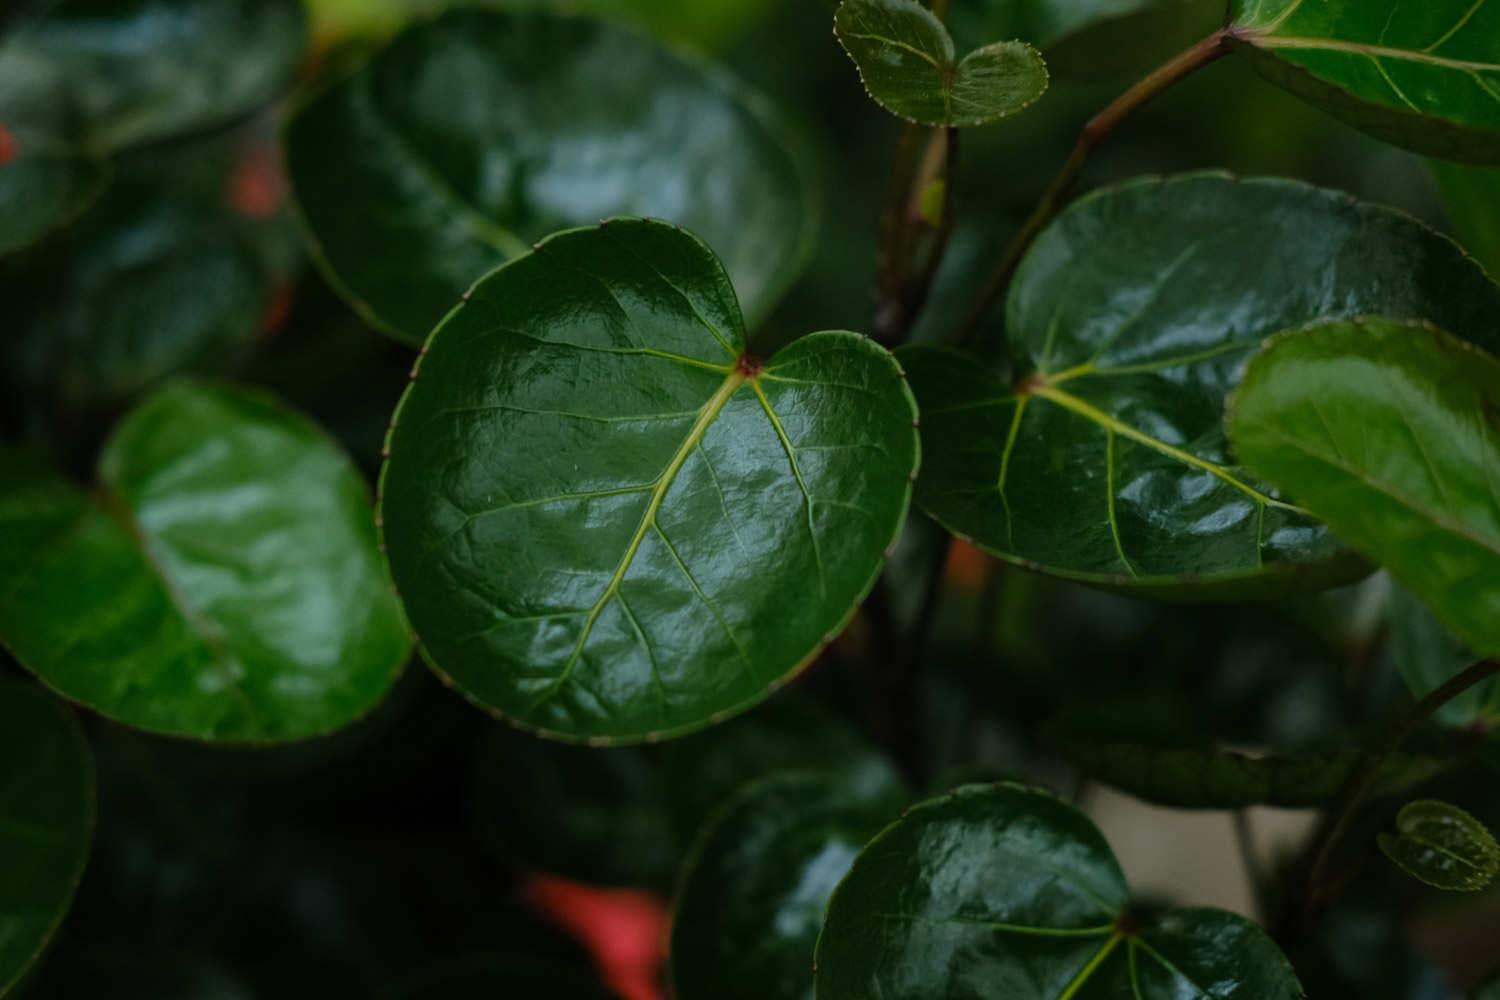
{"type": "Point", "coordinates": [1364, 779]}
{"type": "Point", "coordinates": [904, 283]}
{"type": "Point", "coordinates": [1098, 129]}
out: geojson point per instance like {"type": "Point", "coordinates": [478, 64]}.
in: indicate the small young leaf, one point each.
{"type": "Point", "coordinates": [221, 583]}
{"type": "Point", "coordinates": [753, 892]}
{"type": "Point", "coordinates": [1444, 846]}
{"type": "Point", "coordinates": [611, 523]}
{"type": "Point", "coordinates": [1390, 432]}
{"type": "Point", "coordinates": [47, 175]}
{"type": "Point", "coordinates": [146, 70]}
{"type": "Point", "coordinates": [1011, 888]}
{"type": "Point", "coordinates": [907, 61]}
{"type": "Point", "coordinates": [46, 822]}
{"type": "Point", "coordinates": [1103, 458]}
{"type": "Point", "coordinates": [479, 132]}
{"type": "Point", "coordinates": [1426, 77]}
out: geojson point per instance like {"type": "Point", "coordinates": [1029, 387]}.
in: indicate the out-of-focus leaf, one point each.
{"type": "Point", "coordinates": [133, 975]}
{"type": "Point", "coordinates": [1103, 458]}
{"type": "Point", "coordinates": [1390, 432]}
{"type": "Point", "coordinates": [46, 822]}
{"type": "Point", "coordinates": [1428, 655]}
{"type": "Point", "coordinates": [1444, 846]}
{"type": "Point", "coordinates": [487, 978]}
{"type": "Point", "coordinates": [1472, 195]}
{"type": "Point", "coordinates": [221, 583]}
{"type": "Point", "coordinates": [753, 892]}
{"type": "Point", "coordinates": [909, 66]}
{"type": "Point", "coordinates": [475, 134]}
{"type": "Point", "coordinates": [1424, 77]}
{"type": "Point", "coordinates": [1009, 887]}
{"type": "Point", "coordinates": [610, 523]}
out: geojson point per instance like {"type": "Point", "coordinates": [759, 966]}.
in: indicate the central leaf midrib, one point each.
{"type": "Point", "coordinates": [706, 416]}
{"type": "Point", "coordinates": [1371, 51]}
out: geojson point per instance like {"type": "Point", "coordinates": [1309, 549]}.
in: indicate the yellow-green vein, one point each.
{"type": "Point", "coordinates": [1093, 966]}
{"type": "Point", "coordinates": [1373, 51]}
{"type": "Point", "coordinates": [1109, 499]}
{"type": "Point", "coordinates": [791, 457]}
{"type": "Point", "coordinates": [1010, 446]}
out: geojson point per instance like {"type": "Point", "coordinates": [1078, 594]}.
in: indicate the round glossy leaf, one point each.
{"type": "Point", "coordinates": [752, 895]}
{"type": "Point", "coordinates": [1105, 461]}
{"type": "Point", "coordinates": [46, 175]}
{"type": "Point", "coordinates": [1424, 76]}
{"type": "Point", "coordinates": [145, 70]}
{"type": "Point", "coordinates": [479, 132]}
{"type": "Point", "coordinates": [610, 523]}
{"type": "Point", "coordinates": [1409, 475]}
{"type": "Point", "coordinates": [907, 62]}
{"type": "Point", "coordinates": [625, 815]}
{"type": "Point", "coordinates": [1002, 890]}
{"type": "Point", "coordinates": [221, 582]}
{"type": "Point", "coordinates": [1444, 846]}
{"type": "Point", "coordinates": [177, 268]}
{"type": "Point", "coordinates": [46, 822]}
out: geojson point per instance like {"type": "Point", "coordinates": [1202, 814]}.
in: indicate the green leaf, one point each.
{"type": "Point", "coordinates": [1428, 655]}
{"type": "Point", "coordinates": [1407, 472]}
{"type": "Point", "coordinates": [47, 176]}
{"type": "Point", "coordinates": [607, 520]}
{"type": "Point", "coordinates": [908, 64]}
{"type": "Point", "coordinates": [625, 815]}
{"type": "Point", "coordinates": [479, 132]}
{"type": "Point", "coordinates": [102, 313]}
{"type": "Point", "coordinates": [1145, 751]}
{"type": "Point", "coordinates": [751, 900]}
{"type": "Point", "coordinates": [1046, 23]}
{"type": "Point", "coordinates": [46, 822]}
{"type": "Point", "coordinates": [1006, 891]}
{"type": "Point", "coordinates": [1442, 845]}
{"type": "Point", "coordinates": [146, 70]}
{"type": "Point", "coordinates": [1472, 195]}
{"type": "Point", "coordinates": [1102, 457]}
{"type": "Point", "coordinates": [122, 974]}
{"type": "Point", "coordinates": [1490, 991]}
{"type": "Point", "coordinates": [220, 582]}
{"type": "Point", "coordinates": [1425, 77]}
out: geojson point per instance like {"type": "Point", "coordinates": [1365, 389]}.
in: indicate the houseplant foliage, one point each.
{"type": "Point", "coordinates": [574, 499]}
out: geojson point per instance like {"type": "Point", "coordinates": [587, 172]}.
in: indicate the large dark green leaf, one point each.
{"type": "Point", "coordinates": [221, 581]}
{"type": "Point", "coordinates": [1151, 753]}
{"type": "Point", "coordinates": [47, 176]}
{"type": "Point", "coordinates": [609, 522]}
{"type": "Point", "coordinates": [1444, 846]}
{"type": "Point", "coordinates": [479, 132]}
{"type": "Point", "coordinates": [46, 821]}
{"type": "Point", "coordinates": [1102, 457]}
{"type": "Point", "coordinates": [1472, 195]}
{"type": "Point", "coordinates": [1425, 76]}
{"type": "Point", "coordinates": [1390, 432]}
{"type": "Point", "coordinates": [178, 267]}
{"type": "Point", "coordinates": [908, 64]}
{"type": "Point", "coordinates": [143, 70]}
{"type": "Point", "coordinates": [753, 892]}
{"type": "Point", "coordinates": [1428, 655]}
{"type": "Point", "coordinates": [1005, 891]}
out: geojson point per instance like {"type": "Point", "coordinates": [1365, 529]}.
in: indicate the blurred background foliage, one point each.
{"type": "Point", "coordinates": [399, 855]}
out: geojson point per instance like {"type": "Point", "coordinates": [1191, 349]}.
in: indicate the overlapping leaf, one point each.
{"type": "Point", "coordinates": [907, 61]}
{"type": "Point", "coordinates": [1010, 888]}
{"type": "Point", "coordinates": [752, 895]}
{"type": "Point", "coordinates": [46, 822]}
{"type": "Point", "coordinates": [1390, 432]}
{"type": "Point", "coordinates": [222, 581]}
{"type": "Point", "coordinates": [611, 523]}
{"type": "Point", "coordinates": [1472, 195]}
{"type": "Point", "coordinates": [479, 132]}
{"type": "Point", "coordinates": [1421, 75]}
{"type": "Point", "coordinates": [1102, 455]}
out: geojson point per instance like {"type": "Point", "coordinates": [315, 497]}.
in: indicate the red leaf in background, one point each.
{"type": "Point", "coordinates": [624, 929]}
{"type": "Point", "coordinates": [966, 565]}
{"type": "Point", "coordinates": [9, 149]}
{"type": "Point", "coordinates": [257, 187]}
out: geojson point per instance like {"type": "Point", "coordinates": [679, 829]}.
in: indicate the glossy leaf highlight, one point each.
{"type": "Point", "coordinates": [46, 822]}
{"type": "Point", "coordinates": [1101, 455]}
{"type": "Point", "coordinates": [609, 522]}
{"type": "Point", "coordinates": [221, 581]}
{"type": "Point", "coordinates": [1440, 844]}
{"type": "Point", "coordinates": [1001, 890]}
{"type": "Point", "coordinates": [1424, 76]}
{"type": "Point", "coordinates": [1390, 432]}
{"type": "Point", "coordinates": [479, 132]}
{"type": "Point", "coordinates": [908, 64]}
